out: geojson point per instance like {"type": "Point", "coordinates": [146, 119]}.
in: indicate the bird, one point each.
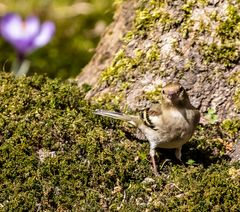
{"type": "Point", "coordinates": [167, 124]}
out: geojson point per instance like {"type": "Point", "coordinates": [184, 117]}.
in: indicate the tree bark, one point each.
{"type": "Point", "coordinates": [108, 45]}
{"type": "Point", "coordinates": [153, 42]}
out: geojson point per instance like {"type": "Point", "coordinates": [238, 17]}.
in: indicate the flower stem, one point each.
{"type": "Point", "coordinates": [20, 66]}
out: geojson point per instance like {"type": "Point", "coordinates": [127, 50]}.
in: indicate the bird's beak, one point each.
{"type": "Point", "coordinates": [171, 95]}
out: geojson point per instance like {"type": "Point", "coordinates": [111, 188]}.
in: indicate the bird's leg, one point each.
{"type": "Point", "coordinates": [152, 154]}
{"type": "Point", "coordinates": [178, 154]}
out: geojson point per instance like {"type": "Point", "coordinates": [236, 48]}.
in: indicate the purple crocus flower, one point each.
{"type": "Point", "coordinates": [25, 35]}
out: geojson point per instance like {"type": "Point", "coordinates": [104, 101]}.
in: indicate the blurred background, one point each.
{"type": "Point", "coordinates": [79, 25]}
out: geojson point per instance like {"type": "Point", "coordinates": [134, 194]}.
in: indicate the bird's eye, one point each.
{"type": "Point", "coordinates": [163, 91]}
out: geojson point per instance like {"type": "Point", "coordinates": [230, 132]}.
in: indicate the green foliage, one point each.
{"type": "Point", "coordinates": [226, 54]}
{"type": "Point", "coordinates": [43, 118]}
{"type": "Point", "coordinates": [237, 99]}
{"type": "Point", "coordinates": [231, 127]}
{"type": "Point", "coordinates": [154, 95]}
{"type": "Point", "coordinates": [78, 29]}
{"type": "Point", "coordinates": [56, 155]}
{"type": "Point", "coordinates": [122, 66]}
{"type": "Point", "coordinates": [211, 116]}
{"type": "Point", "coordinates": [121, 72]}
{"type": "Point", "coordinates": [151, 13]}
{"type": "Point", "coordinates": [190, 162]}
{"type": "Point", "coordinates": [229, 29]}
{"type": "Point", "coordinates": [234, 80]}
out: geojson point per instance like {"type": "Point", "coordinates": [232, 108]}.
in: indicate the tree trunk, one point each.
{"type": "Point", "coordinates": [110, 43]}
{"type": "Point", "coordinates": [151, 42]}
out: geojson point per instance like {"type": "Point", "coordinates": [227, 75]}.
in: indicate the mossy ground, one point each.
{"type": "Point", "coordinates": [56, 155]}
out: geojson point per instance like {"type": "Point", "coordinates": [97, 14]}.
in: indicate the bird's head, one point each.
{"type": "Point", "coordinates": [174, 94]}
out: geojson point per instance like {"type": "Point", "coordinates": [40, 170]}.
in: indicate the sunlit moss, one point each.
{"type": "Point", "coordinates": [121, 66]}
{"type": "Point", "coordinates": [154, 95]}
{"type": "Point", "coordinates": [234, 80]}
{"type": "Point", "coordinates": [55, 154]}
{"type": "Point", "coordinates": [231, 127]}
{"type": "Point", "coordinates": [226, 54]}
{"type": "Point", "coordinates": [237, 99]}
{"type": "Point", "coordinates": [153, 54]}
{"type": "Point", "coordinates": [229, 28]}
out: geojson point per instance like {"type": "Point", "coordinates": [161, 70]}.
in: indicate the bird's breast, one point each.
{"type": "Point", "coordinates": [172, 119]}
{"type": "Point", "coordinates": [173, 127]}
{"type": "Point", "coordinates": [176, 122]}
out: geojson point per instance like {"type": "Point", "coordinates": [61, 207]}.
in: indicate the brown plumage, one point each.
{"type": "Point", "coordinates": [167, 125]}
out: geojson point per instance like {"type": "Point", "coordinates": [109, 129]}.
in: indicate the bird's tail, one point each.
{"type": "Point", "coordinates": [134, 120]}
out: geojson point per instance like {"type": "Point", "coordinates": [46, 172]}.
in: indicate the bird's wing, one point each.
{"type": "Point", "coordinates": [134, 120]}
{"type": "Point", "coordinates": [196, 117]}
{"type": "Point", "coordinates": [155, 110]}
{"type": "Point", "coordinates": [147, 114]}
{"type": "Point", "coordinates": [196, 114]}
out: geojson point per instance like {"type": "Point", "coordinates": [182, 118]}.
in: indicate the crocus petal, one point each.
{"type": "Point", "coordinates": [25, 36]}
{"type": "Point", "coordinates": [45, 34]}
{"type": "Point", "coordinates": [32, 27]}
{"type": "Point", "coordinates": [10, 26]}
{"type": "Point", "coordinates": [14, 28]}
{"type": "Point", "coordinates": [18, 32]}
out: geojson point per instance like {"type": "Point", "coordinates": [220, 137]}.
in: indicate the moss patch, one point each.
{"type": "Point", "coordinates": [120, 75]}
{"type": "Point", "coordinates": [226, 54]}
{"type": "Point", "coordinates": [229, 29]}
{"type": "Point", "coordinates": [56, 155]}
{"type": "Point", "coordinates": [234, 80]}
